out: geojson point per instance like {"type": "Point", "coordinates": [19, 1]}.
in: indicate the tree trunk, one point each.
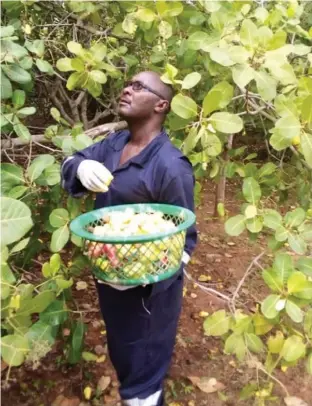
{"type": "Point", "coordinates": [221, 186]}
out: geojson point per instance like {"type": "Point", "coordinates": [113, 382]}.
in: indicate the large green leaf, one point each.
{"type": "Point", "coordinates": [197, 40]}
{"type": "Point", "coordinates": [251, 190]}
{"type": "Point", "coordinates": [16, 73]}
{"type": "Point", "coordinates": [304, 264]}
{"type": "Point", "coordinates": [306, 144]}
{"type": "Point", "coordinates": [6, 31]}
{"type": "Point", "coordinates": [64, 65]}
{"type": "Point", "coordinates": [226, 122]}
{"type": "Point", "coordinates": [222, 56]}
{"type": "Point", "coordinates": [55, 314]}
{"type": "Point", "coordinates": [296, 282]}
{"type": "Point", "coordinates": [77, 79]}
{"type": "Point", "coordinates": [40, 331]}
{"type": "Point", "coordinates": [6, 87]}
{"type": "Point", "coordinates": [18, 98]}
{"type": "Point", "coordinates": [44, 66]}
{"type": "Point", "coordinates": [255, 224]}
{"type": "Point", "coordinates": [218, 97]}
{"type": "Point", "coordinates": [294, 218]}
{"type": "Point", "coordinates": [37, 304]}
{"type": "Point", "coordinates": [272, 219]}
{"type": "Point", "coordinates": [235, 344]}
{"type": "Point", "coordinates": [59, 217]}
{"type": "Point", "coordinates": [14, 349]}
{"type": "Point", "coordinates": [191, 140]}
{"type": "Point", "coordinates": [294, 311]}
{"type": "Point", "coordinates": [273, 279]}
{"type": "Point", "coordinates": [297, 243]}
{"type": "Point", "coordinates": [217, 324]}
{"type": "Point", "coordinates": [145, 14]}
{"type": "Point", "coordinates": [184, 106]}
{"type": "Point", "coordinates": [234, 226]}
{"type": "Point", "coordinates": [12, 174]}
{"type": "Point", "coordinates": [98, 76]}
{"type": "Point", "coordinates": [275, 344]}
{"type": "Point", "coordinates": [268, 306]}
{"type": "Point", "coordinates": [165, 30]}
{"type": "Point", "coordinates": [242, 74]}
{"type": "Point", "coordinates": [38, 165]}
{"type": "Point", "coordinates": [36, 47]}
{"type": "Point", "coordinates": [210, 143]}
{"type": "Point", "coordinates": [191, 80]}
{"type": "Point", "coordinates": [293, 349]}
{"type": "Point", "coordinates": [266, 85]}
{"type": "Point", "coordinates": [283, 265]}
{"type": "Point", "coordinates": [16, 220]}
{"type": "Point", "coordinates": [288, 126]}
{"type": "Point", "coordinates": [75, 47]}
{"type": "Point", "coordinates": [282, 72]}
{"type": "Point", "coordinates": [75, 350]}
{"type": "Point", "coordinates": [21, 130]}
{"type": "Point", "coordinates": [249, 34]}
{"type": "Point", "coordinates": [253, 342]}
{"type": "Point", "coordinates": [59, 238]}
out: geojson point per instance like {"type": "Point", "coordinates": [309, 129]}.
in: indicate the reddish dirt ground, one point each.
{"type": "Point", "coordinates": [218, 256]}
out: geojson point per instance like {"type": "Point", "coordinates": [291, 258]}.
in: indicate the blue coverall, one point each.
{"type": "Point", "coordinates": [141, 322]}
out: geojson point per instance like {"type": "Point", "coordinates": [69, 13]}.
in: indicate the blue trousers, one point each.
{"type": "Point", "coordinates": [141, 325]}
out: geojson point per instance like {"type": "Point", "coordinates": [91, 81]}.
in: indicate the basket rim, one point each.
{"type": "Point", "coordinates": [77, 225]}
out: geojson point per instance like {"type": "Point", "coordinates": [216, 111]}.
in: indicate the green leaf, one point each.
{"type": "Point", "coordinates": [309, 364]}
{"type": "Point", "coordinates": [217, 324]}
{"type": "Point", "coordinates": [218, 97]}
{"type": "Point", "coordinates": [295, 217]}
{"type": "Point", "coordinates": [226, 122]}
{"type": "Point", "coordinates": [273, 279]}
{"type": "Point", "coordinates": [296, 282]}
{"type": "Point", "coordinates": [306, 145]}
{"type": "Point", "coordinates": [18, 98]}
{"type": "Point", "coordinates": [221, 56]}
{"type": "Point", "coordinates": [74, 47]}
{"type": "Point", "coordinates": [98, 76]}
{"type": "Point", "coordinates": [16, 220]}
{"type": "Point", "coordinates": [254, 225]}
{"type": "Point", "coordinates": [266, 85]}
{"type": "Point", "coordinates": [235, 344]}
{"type": "Point", "coordinates": [129, 24]}
{"type": "Point", "coordinates": [52, 174]}
{"type": "Point", "coordinates": [44, 66]}
{"type": "Point", "coordinates": [21, 131]}
{"type": "Point", "coordinates": [234, 226]}
{"type": "Point", "coordinates": [293, 349]}
{"type": "Point", "coordinates": [36, 47]}
{"type": "Point", "coordinates": [267, 169]}
{"type": "Point", "coordinates": [77, 79]}
{"type": "Point", "coordinates": [16, 73]}
{"type": "Point", "coordinates": [278, 141]}
{"type": "Point", "coordinates": [251, 190]}
{"type": "Point", "coordinates": [146, 15]}
{"type": "Point", "coordinates": [14, 349]}
{"type": "Point", "coordinates": [307, 324]}
{"type": "Point", "coordinates": [89, 356]}
{"type": "Point", "coordinates": [282, 72]}
{"type": "Point", "coordinates": [64, 283]}
{"type": "Point", "coordinates": [20, 246]}
{"type": "Point", "coordinates": [6, 87]}
{"type": "Point", "coordinates": [275, 344]}
{"type": "Point", "coordinates": [297, 244]}
{"type": "Point", "coordinates": [59, 238]}
{"type": "Point", "coordinates": [305, 265]}
{"type": "Point", "coordinates": [38, 165]}
{"type": "Point", "coordinates": [37, 304]}
{"type": "Point", "coordinates": [283, 265]}
{"type": "Point", "coordinates": [294, 312]}
{"type": "Point", "coordinates": [248, 391]}
{"type": "Point", "coordinates": [26, 111]}
{"type": "Point", "coordinates": [172, 8]}
{"type": "Point", "coordinates": [191, 80]}
{"type": "Point", "coordinates": [64, 65]}
{"type": "Point", "coordinates": [17, 192]}
{"type": "Point", "coordinates": [242, 74]}
{"type": "Point", "coordinates": [210, 142]}
{"type": "Point", "coordinates": [249, 34]}
{"type": "Point", "coordinates": [268, 306]}
{"type": "Point", "coordinates": [261, 324]}
{"type": "Point", "coordinates": [55, 114]}
{"type": "Point", "coordinates": [165, 30]}
{"type": "Point", "coordinates": [12, 174]}
{"type": "Point", "coordinates": [306, 232]}
{"type": "Point", "coordinates": [55, 264]}
{"type": "Point", "coordinates": [59, 218]}
{"type": "Point", "coordinates": [40, 331]}
{"type": "Point", "coordinates": [197, 40]}
{"type": "Point", "coordinates": [7, 31]}
{"type": "Point", "coordinates": [99, 52]}
{"type": "Point", "coordinates": [288, 126]}
{"type": "Point", "coordinates": [75, 351]}
{"type": "Point", "coordinates": [239, 54]}
{"type": "Point", "coordinates": [253, 342]}
{"type": "Point", "coordinates": [184, 106]}
{"type": "Point", "coordinates": [191, 140]}
{"type": "Point", "coordinates": [281, 234]}
{"type": "Point", "coordinates": [272, 219]}
{"type": "Point", "coordinates": [55, 313]}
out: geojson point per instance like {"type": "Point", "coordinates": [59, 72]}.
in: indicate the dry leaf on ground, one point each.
{"type": "Point", "coordinates": [205, 384]}
{"type": "Point", "coordinates": [103, 383]}
{"type": "Point", "coordinates": [294, 401]}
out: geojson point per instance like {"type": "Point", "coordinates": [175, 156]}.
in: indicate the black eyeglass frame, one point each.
{"type": "Point", "coordinates": [131, 83]}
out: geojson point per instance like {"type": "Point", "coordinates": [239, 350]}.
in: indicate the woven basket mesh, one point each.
{"type": "Point", "coordinates": [138, 259]}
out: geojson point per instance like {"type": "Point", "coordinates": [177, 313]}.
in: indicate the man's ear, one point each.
{"type": "Point", "coordinates": [162, 106]}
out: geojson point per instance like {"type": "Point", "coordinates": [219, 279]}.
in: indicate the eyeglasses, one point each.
{"type": "Point", "coordinates": [137, 86]}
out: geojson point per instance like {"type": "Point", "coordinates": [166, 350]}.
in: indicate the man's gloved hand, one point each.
{"type": "Point", "coordinates": [94, 176]}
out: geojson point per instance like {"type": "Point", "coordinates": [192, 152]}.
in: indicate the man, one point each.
{"type": "Point", "coordinates": [141, 322]}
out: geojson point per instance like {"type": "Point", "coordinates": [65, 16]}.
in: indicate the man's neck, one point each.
{"type": "Point", "coordinates": [143, 134]}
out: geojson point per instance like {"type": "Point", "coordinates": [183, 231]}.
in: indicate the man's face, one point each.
{"type": "Point", "coordinates": [136, 101]}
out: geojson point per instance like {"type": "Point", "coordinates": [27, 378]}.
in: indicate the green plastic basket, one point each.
{"type": "Point", "coordinates": [136, 259]}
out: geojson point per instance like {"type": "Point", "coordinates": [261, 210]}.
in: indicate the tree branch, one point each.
{"type": "Point", "coordinates": [92, 132]}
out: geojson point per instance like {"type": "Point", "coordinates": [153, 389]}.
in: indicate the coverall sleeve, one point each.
{"type": "Point", "coordinates": [69, 180]}
{"type": "Point", "coordinates": [178, 189]}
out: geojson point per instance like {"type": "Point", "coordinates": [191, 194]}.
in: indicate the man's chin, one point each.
{"type": "Point", "coordinates": [124, 111]}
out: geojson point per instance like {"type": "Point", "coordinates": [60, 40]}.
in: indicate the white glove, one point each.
{"type": "Point", "coordinates": [94, 176]}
